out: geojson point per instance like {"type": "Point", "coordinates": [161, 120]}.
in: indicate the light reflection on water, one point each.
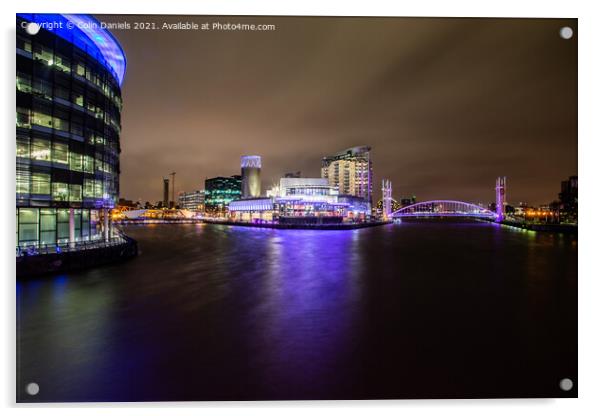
{"type": "Point", "coordinates": [218, 312]}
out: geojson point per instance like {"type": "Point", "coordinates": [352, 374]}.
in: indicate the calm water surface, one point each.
{"type": "Point", "coordinates": [211, 312]}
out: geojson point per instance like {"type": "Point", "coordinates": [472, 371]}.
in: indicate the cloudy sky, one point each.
{"type": "Point", "coordinates": [446, 104]}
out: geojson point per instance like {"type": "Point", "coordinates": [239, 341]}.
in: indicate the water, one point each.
{"type": "Point", "coordinates": [211, 312]}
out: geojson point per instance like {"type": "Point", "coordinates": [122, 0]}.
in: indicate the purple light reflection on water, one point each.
{"type": "Point", "coordinates": [216, 312]}
{"type": "Point", "coordinates": [310, 300]}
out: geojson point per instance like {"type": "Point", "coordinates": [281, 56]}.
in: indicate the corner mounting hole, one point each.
{"type": "Point", "coordinates": [566, 384]}
{"type": "Point", "coordinates": [32, 389]}
{"type": "Point", "coordinates": [566, 32]}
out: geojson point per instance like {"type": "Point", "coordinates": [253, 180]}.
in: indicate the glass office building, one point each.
{"type": "Point", "coordinates": [220, 191]}
{"type": "Point", "coordinates": [69, 75]}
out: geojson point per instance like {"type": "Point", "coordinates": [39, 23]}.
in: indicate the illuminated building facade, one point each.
{"type": "Point", "coordinates": [220, 191]}
{"type": "Point", "coordinates": [67, 129]}
{"type": "Point", "coordinates": [350, 171]}
{"type": "Point", "coordinates": [301, 200]}
{"type": "Point", "coordinates": [193, 201]}
{"type": "Point", "coordinates": [250, 169]}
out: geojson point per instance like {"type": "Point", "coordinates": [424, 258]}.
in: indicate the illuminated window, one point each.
{"type": "Point", "coordinates": [62, 63]}
{"type": "Point", "coordinates": [22, 146]}
{"type": "Point", "coordinates": [76, 162]}
{"type": "Point", "coordinates": [40, 149]}
{"type": "Point", "coordinates": [75, 193]}
{"type": "Point", "coordinates": [40, 184]}
{"type": "Point", "coordinates": [60, 191]}
{"type": "Point", "coordinates": [47, 226]}
{"type": "Point", "coordinates": [78, 99]}
{"type": "Point", "coordinates": [80, 70]}
{"type": "Point", "coordinates": [60, 153]}
{"type": "Point", "coordinates": [62, 226]}
{"type": "Point", "coordinates": [98, 189]}
{"type": "Point", "coordinates": [23, 119]}
{"type": "Point", "coordinates": [88, 164]}
{"type": "Point", "coordinates": [44, 54]}
{"type": "Point", "coordinates": [28, 225]}
{"type": "Point", "coordinates": [23, 82]}
{"type": "Point", "coordinates": [42, 119]}
{"type": "Point", "coordinates": [60, 124]}
{"type": "Point", "coordinates": [22, 180]}
{"type": "Point", "coordinates": [88, 188]}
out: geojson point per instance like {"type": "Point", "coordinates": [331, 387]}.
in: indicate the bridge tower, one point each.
{"type": "Point", "coordinates": [500, 198]}
{"type": "Point", "coordinates": [387, 191]}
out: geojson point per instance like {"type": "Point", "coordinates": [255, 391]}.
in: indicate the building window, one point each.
{"type": "Point", "coordinates": [60, 191]}
{"type": "Point", "coordinates": [75, 162]}
{"type": "Point", "coordinates": [40, 149]}
{"type": "Point", "coordinates": [44, 54]}
{"type": "Point", "coordinates": [22, 146]}
{"type": "Point", "coordinates": [88, 188]}
{"type": "Point", "coordinates": [42, 88]}
{"type": "Point", "coordinates": [62, 63]}
{"type": "Point", "coordinates": [60, 124]}
{"type": "Point", "coordinates": [42, 119]}
{"type": "Point", "coordinates": [77, 220]}
{"type": "Point", "coordinates": [40, 184]}
{"type": "Point", "coordinates": [47, 226]}
{"type": "Point", "coordinates": [88, 164]}
{"type": "Point", "coordinates": [98, 189]}
{"type": "Point", "coordinates": [22, 180]}
{"type": "Point", "coordinates": [24, 44]}
{"type": "Point", "coordinates": [23, 82]}
{"type": "Point", "coordinates": [28, 225]}
{"type": "Point", "coordinates": [85, 224]}
{"type": "Point", "coordinates": [60, 152]}
{"type": "Point", "coordinates": [62, 225]}
{"type": "Point", "coordinates": [95, 231]}
{"type": "Point", "coordinates": [23, 119]}
{"type": "Point", "coordinates": [75, 193]}
{"type": "Point", "coordinates": [78, 99]}
{"type": "Point", "coordinates": [81, 70]}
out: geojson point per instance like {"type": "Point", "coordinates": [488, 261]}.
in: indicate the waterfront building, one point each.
{"type": "Point", "coordinates": [253, 210]}
{"type": "Point", "coordinates": [350, 171]}
{"type": "Point", "coordinates": [68, 126]}
{"type": "Point", "coordinates": [250, 169]}
{"type": "Point", "coordinates": [220, 191]}
{"type": "Point", "coordinates": [568, 199]}
{"type": "Point", "coordinates": [193, 201]}
{"type": "Point", "coordinates": [301, 200]}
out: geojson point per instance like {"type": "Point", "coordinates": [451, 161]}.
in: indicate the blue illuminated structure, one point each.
{"type": "Point", "coordinates": [85, 32]}
{"type": "Point", "coordinates": [69, 73]}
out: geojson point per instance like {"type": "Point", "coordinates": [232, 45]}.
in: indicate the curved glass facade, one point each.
{"type": "Point", "coordinates": [67, 134]}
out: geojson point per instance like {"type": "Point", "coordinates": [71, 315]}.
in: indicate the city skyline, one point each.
{"type": "Point", "coordinates": [446, 105]}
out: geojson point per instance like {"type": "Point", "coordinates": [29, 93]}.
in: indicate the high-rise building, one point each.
{"type": "Point", "coordinates": [194, 201]}
{"type": "Point", "coordinates": [250, 168]}
{"type": "Point", "coordinates": [568, 198]}
{"type": "Point", "coordinates": [165, 193]}
{"type": "Point", "coordinates": [350, 171]}
{"type": "Point", "coordinates": [68, 127]}
{"type": "Point", "coordinates": [220, 191]}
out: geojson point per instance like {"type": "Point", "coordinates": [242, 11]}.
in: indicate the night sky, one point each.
{"type": "Point", "coordinates": [446, 104]}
